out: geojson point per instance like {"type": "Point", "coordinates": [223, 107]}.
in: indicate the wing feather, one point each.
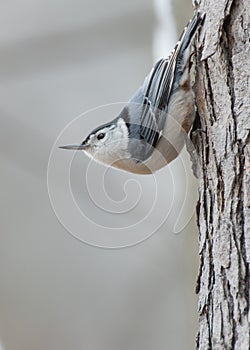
{"type": "Point", "coordinates": [155, 93]}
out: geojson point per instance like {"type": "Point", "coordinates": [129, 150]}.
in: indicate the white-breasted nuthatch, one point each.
{"type": "Point", "coordinates": [150, 130]}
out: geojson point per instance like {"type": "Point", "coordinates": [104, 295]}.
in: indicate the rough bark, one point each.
{"type": "Point", "coordinates": [222, 143]}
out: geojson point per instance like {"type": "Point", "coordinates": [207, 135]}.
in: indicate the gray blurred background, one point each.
{"type": "Point", "coordinates": [57, 60]}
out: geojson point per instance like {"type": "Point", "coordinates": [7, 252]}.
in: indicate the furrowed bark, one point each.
{"type": "Point", "coordinates": [222, 142]}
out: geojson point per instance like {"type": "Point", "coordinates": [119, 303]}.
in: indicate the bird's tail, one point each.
{"type": "Point", "coordinates": [190, 30]}
{"type": "Point", "coordinates": [181, 53]}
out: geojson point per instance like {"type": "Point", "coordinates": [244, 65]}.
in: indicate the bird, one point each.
{"type": "Point", "coordinates": [151, 129]}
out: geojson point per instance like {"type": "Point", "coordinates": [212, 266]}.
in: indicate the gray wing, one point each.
{"type": "Point", "coordinates": [146, 112]}
{"type": "Point", "coordinates": [153, 96]}
{"type": "Point", "coordinates": [155, 93]}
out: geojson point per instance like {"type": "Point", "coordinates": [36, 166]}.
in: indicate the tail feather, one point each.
{"type": "Point", "coordinates": [190, 30]}
{"type": "Point", "coordinates": [183, 47]}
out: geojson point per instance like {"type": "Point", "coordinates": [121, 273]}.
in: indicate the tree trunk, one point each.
{"type": "Point", "coordinates": [222, 144]}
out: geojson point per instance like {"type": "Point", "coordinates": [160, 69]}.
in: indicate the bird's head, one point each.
{"type": "Point", "coordinates": [107, 143]}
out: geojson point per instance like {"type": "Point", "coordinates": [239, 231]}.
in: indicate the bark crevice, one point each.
{"type": "Point", "coordinates": [223, 210]}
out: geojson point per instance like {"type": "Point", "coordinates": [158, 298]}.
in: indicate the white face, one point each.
{"type": "Point", "coordinates": [108, 144]}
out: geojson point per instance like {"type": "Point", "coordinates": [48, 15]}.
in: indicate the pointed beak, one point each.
{"type": "Point", "coordinates": [75, 147]}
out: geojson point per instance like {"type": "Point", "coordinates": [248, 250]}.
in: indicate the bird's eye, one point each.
{"type": "Point", "coordinates": [100, 136]}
